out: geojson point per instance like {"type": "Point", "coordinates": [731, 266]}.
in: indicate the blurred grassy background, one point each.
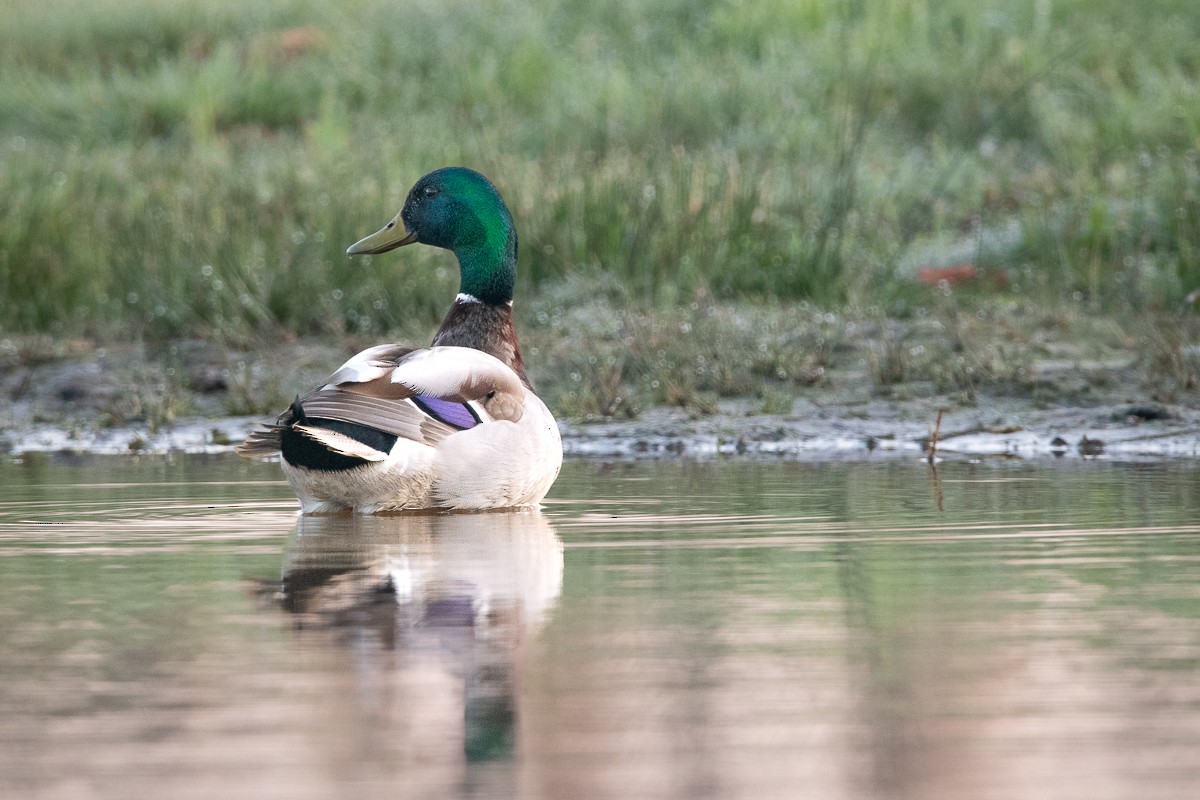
{"type": "Point", "coordinates": [178, 168]}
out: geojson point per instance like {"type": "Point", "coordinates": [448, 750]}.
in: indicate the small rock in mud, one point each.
{"type": "Point", "coordinates": [205, 366]}
{"type": "Point", "coordinates": [87, 385]}
{"type": "Point", "coordinates": [1144, 412]}
{"type": "Point", "coordinates": [209, 380]}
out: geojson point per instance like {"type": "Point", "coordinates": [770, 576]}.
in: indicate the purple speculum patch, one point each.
{"type": "Point", "coordinates": [456, 415]}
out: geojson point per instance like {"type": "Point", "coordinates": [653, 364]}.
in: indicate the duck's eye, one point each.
{"type": "Point", "coordinates": [430, 191]}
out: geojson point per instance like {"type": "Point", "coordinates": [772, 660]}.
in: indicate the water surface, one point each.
{"type": "Point", "coordinates": [661, 629]}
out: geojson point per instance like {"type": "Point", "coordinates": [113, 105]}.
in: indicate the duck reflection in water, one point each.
{"type": "Point", "coordinates": [434, 610]}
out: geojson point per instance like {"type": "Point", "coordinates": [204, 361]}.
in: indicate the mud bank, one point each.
{"type": "Point", "coordinates": [185, 398]}
{"type": "Point", "coordinates": [811, 432]}
{"type": "Point", "coordinates": [1113, 432]}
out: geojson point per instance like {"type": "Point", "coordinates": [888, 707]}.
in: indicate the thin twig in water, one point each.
{"type": "Point", "coordinates": [933, 443]}
{"type": "Point", "coordinates": [933, 440]}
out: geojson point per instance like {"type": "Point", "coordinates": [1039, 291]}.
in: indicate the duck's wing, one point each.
{"type": "Point", "coordinates": [419, 395]}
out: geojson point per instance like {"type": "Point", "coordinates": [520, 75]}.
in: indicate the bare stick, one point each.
{"type": "Point", "coordinates": [933, 440]}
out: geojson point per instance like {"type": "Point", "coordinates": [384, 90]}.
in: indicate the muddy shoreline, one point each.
{"type": "Point", "coordinates": [128, 399]}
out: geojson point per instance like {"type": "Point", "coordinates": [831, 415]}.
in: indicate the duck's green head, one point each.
{"type": "Point", "coordinates": [457, 209]}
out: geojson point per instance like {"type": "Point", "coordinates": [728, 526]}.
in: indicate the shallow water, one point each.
{"type": "Point", "coordinates": [723, 629]}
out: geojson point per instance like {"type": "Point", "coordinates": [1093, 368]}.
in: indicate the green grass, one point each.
{"type": "Point", "coordinates": [173, 168]}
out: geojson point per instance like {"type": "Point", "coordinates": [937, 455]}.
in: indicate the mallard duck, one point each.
{"type": "Point", "coordinates": [454, 425]}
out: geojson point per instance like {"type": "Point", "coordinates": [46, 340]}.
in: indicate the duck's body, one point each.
{"type": "Point", "coordinates": [455, 425]}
